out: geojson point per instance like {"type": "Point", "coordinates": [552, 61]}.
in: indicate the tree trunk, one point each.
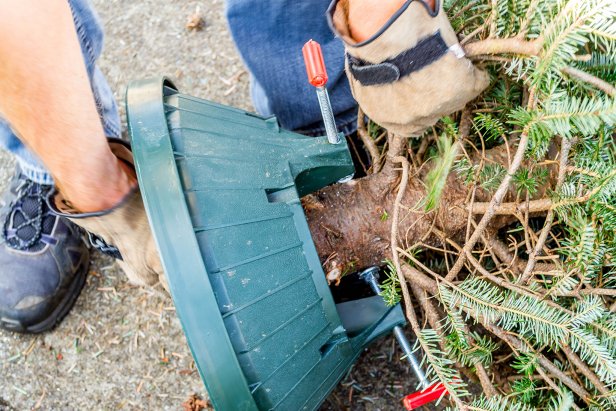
{"type": "Point", "coordinates": [350, 225]}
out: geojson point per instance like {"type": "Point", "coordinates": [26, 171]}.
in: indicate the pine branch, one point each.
{"type": "Point", "coordinates": [564, 51]}
{"type": "Point", "coordinates": [594, 353]}
{"type": "Point", "coordinates": [513, 45]}
{"type": "Point", "coordinates": [588, 373]}
{"type": "Point", "coordinates": [604, 86]}
{"type": "Point", "coordinates": [532, 258]}
{"type": "Point", "coordinates": [543, 361]}
{"type": "Point", "coordinates": [532, 207]}
{"type": "Point", "coordinates": [565, 33]}
{"type": "Point", "coordinates": [498, 404]}
{"type": "Point", "coordinates": [495, 202]}
{"type": "Point", "coordinates": [530, 316]}
{"type": "Point", "coordinates": [438, 364]}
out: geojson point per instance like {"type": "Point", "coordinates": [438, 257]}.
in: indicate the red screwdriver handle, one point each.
{"type": "Point", "coordinates": [419, 398]}
{"type": "Point", "coordinates": [315, 66]}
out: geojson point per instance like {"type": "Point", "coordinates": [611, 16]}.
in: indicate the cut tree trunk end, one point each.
{"type": "Point", "coordinates": [350, 223]}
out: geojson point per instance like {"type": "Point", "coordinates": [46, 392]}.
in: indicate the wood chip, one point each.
{"type": "Point", "coordinates": [195, 403]}
{"type": "Point", "coordinates": [195, 21]}
{"type": "Point", "coordinates": [40, 401]}
{"type": "Point", "coordinates": [30, 347]}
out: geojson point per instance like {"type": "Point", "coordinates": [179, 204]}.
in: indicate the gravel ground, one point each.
{"type": "Point", "coordinates": [122, 347]}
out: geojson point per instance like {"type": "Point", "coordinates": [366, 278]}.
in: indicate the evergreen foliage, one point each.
{"type": "Point", "coordinates": [569, 306]}
{"type": "Point", "coordinates": [390, 287]}
{"type": "Point", "coordinates": [437, 177]}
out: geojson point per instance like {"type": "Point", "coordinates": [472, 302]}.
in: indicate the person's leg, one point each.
{"type": "Point", "coordinates": [90, 34]}
{"type": "Point", "coordinates": [43, 260]}
{"type": "Point", "coordinates": [269, 36]}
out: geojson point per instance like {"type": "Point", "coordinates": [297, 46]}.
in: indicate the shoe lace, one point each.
{"type": "Point", "coordinates": [29, 219]}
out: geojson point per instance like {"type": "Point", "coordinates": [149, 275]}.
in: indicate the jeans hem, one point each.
{"type": "Point", "coordinates": [36, 174]}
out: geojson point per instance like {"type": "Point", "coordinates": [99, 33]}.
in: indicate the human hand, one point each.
{"type": "Point", "coordinates": [366, 17]}
{"type": "Point", "coordinates": [413, 71]}
{"type": "Point", "coordinates": [122, 230]}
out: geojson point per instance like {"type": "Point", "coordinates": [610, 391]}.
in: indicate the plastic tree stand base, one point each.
{"type": "Point", "coordinates": [222, 190]}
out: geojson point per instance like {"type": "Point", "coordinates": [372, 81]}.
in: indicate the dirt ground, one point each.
{"type": "Point", "coordinates": [122, 347]}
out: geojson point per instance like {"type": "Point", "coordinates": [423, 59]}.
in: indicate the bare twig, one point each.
{"type": "Point", "coordinates": [527, 19]}
{"type": "Point", "coordinates": [495, 202]}
{"type": "Point", "coordinates": [423, 146]}
{"type": "Point", "coordinates": [533, 206]}
{"type": "Point", "coordinates": [516, 264]}
{"type": "Point", "coordinates": [543, 204]}
{"type": "Point", "coordinates": [472, 34]}
{"type": "Point", "coordinates": [484, 380]}
{"type": "Point", "coordinates": [394, 242]}
{"type": "Point", "coordinates": [410, 313]}
{"type": "Point", "coordinates": [545, 363]}
{"type": "Point", "coordinates": [495, 279]}
{"type": "Point", "coordinates": [397, 148]}
{"type": "Point", "coordinates": [588, 291]}
{"type": "Point", "coordinates": [414, 276]}
{"type": "Point", "coordinates": [428, 306]}
{"type": "Point", "coordinates": [552, 384]}
{"type": "Point", "coordinates": [588, 373]}
{"type": "Point", "coordinates": [602, 85]}
{"type": "Point", "coordinates": [369, 143]}
{"type": "Point", "coordinates": [511, 45]}
{"type": "Point", "coordinates": [532, 259]}
{"type": "Point", "coordinates": [463, 10]}
{"type": "Point", "coordinates": [419, 263]}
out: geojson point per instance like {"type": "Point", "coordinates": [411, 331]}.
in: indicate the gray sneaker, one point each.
{"type": "Point", "coordinates": [43, 260]}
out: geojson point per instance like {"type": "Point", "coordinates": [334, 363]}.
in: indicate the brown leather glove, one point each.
{"type": "Point", "coordinates": [122, 231]}
{"type": "Point", "coordinates": [412, 71]}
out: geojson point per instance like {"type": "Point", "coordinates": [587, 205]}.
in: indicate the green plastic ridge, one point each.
{"type": "Point", "coordinates": [222, 190]}
{"type": "Point", "coordinates": [168, 215]}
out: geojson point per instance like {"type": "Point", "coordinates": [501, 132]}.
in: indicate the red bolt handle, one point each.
{"type": "Point", "coordinates": [419, 398]}
{"type": "Point", "coordinates": [315, 66]}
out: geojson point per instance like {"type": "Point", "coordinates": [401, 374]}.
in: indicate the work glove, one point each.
{"type": "Point", "coordinates": [412, 71]}
{"type": "Point", "coordinates": [122, 231]}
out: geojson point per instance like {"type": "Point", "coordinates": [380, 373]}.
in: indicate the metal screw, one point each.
{"type": "Point", "coordinates": [328, 116]}
{"type": "Point", "coordinates": [371, 276]}
{"type": "Point", "coordinates": [317, 76]}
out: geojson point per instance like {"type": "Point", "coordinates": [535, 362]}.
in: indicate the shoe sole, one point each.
{"type": "Point", "coordinates": [61, 310]}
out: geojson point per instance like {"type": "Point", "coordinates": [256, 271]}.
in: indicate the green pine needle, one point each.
{"type": "Point", "coordinates": [437, 177]}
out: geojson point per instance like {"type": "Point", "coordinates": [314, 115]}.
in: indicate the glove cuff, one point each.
{"type": "Point", "coordinates": [427, 51]}
{"type": "Point", "coordinates": [63, 208]}
{"type": "Point", "coordinates": [60, 206]}
{"type": "Point", "coordinates": [413, 38]}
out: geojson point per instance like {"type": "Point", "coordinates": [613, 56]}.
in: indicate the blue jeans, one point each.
{"type": "Point", "coordinates": [90, 36]}
{"type": "Point", "coordinates": [269, 35]}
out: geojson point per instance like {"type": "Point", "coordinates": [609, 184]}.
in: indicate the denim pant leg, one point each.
{"type": "Point", "coordinates": [269, 36]}
{"type": "Point", "coordinates": [90, 36]}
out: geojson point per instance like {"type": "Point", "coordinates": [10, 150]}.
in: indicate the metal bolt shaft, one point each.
{"type": "Point", "coordinates": [328, 116]}
{"type": "Point", "coordinates": [371, 276]}
{"type": "Point", "coordinates": [410, 356]}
